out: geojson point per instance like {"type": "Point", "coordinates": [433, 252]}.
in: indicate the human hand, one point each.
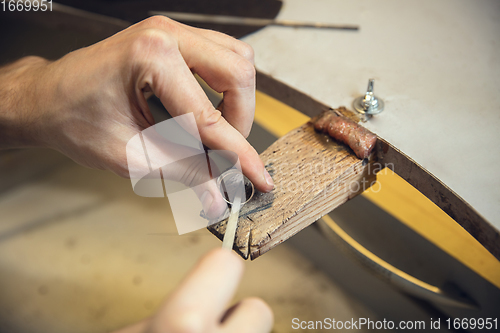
{"type": "Point", "coordinates": [199, 304]}
{"type": "Point", "coordinates": [89, 103]}
{"type": "Point", "coordinates": [168, 158]}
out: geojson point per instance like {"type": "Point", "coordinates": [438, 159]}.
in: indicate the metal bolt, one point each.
{"type": "Point", "coordinates": [369, 104]}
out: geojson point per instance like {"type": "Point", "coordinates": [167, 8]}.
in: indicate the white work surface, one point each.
{"type": "Point", "coordinates": [436, 65]}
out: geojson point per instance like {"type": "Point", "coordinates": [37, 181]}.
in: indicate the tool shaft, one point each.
{"type": "Point", "coordinates": [232, 223]}
{"type": "Point", "coordinates": [249, 21]}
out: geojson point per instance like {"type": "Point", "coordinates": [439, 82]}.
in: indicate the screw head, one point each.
{"type": "Point", "coordinates": [369, 104]}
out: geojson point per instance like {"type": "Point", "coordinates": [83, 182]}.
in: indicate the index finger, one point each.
{"type": "Point", "coordinates": [225, 64]}
{"type": "Point", "coordinates": [226, 72]}
{"type": "Point", "coordinates": [172, 81]}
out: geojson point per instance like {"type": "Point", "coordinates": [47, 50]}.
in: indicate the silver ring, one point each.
{"type": "Point", "coordinates": [231, 173]}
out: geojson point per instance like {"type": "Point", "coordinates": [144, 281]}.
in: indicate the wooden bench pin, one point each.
{"type": "Point", "coordinates": [313, 174]}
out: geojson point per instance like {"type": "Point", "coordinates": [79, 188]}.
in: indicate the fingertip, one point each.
{"type": "Point", "coordinates": [261, 307]}
{"type": "Point", "coordinates": [268, 179]}
{"type": "Point", "coordinates": [250, 315]}
{"type": "Point", "coordinates": [227, 257]}
{"type": "Point", "coordinates": [253, 167]}
{"type": "Point", "coordinates": [263, 182]}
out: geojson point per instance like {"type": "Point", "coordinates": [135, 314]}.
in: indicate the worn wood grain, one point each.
{"type": "Point", "coordinates": [313, 174]}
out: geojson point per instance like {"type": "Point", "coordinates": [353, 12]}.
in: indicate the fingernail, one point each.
{"type": "Point", "coordinates": [268, 178]}
{"type": "Point", "coordinates": [206, 200]}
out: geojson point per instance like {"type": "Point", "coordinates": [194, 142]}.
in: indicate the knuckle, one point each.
{"type": "Point", "coordinates": [246, 51]}
{"type": "Point", "coordinates": [159, 21]}
{"type": "Point", "coordinates": [244, 74]}
{"type": "Point", "coordinates": [152, 40]}
{"type": "Point", "coordinates": [209, 117]}
{"type": "Point", "coordinates": [31, 59]}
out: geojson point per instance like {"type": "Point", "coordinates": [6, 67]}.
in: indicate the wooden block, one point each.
{"type": "Point", "coordinates": [313, 175]}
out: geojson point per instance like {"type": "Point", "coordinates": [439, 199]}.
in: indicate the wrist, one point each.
{"type": "Point", "coordinates": [21, 91]}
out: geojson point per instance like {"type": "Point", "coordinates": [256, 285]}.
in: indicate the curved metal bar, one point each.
{"type": "Point", "coordinates": [446, 295]}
